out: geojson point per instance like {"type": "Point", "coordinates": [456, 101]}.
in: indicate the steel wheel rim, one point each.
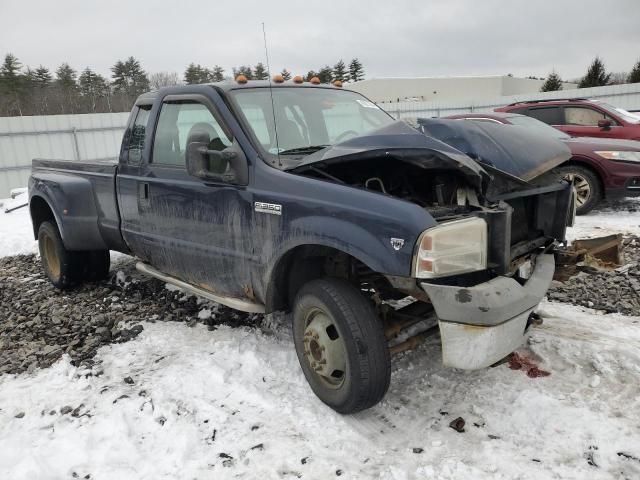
{"type": "Point", "coordinates": [324, 349]}
{"type": "Point", "coordinates": [582, 187]}
{"type": "Point", "coordinates": [51, 255]}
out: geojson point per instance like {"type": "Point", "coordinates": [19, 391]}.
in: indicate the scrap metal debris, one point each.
{"type": "Point", "coordinates": [588, 255]}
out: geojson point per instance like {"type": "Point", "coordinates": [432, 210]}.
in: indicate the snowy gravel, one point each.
{"type": "Point", "coordinates": [191, 402]}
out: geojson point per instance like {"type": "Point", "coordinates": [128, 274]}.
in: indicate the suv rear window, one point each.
{"type": "Point", "coordinates": [548, 115]}
{"type": "Point", "coordinates": [583, 116]}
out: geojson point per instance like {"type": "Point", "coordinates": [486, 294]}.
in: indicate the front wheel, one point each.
{"type": "Point", "coordinates": [587, 185]}
{"type": "Point", "coordinates": [341, 345]}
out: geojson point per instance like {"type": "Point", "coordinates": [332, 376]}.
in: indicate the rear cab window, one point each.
{"type": "Point", "coordinates": [137, 135]}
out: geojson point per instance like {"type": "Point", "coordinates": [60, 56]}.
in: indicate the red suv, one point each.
{"type": "Point", "coordinates": [581, 117]}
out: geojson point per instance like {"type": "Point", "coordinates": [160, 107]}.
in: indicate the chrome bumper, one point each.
{"type": "Point", "coordinates": [481, 325]}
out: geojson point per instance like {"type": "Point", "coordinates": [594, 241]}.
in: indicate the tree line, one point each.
{"type": "Point", "coordinates": [596, 76]}
{"type": "Point", "coordinates": [39, 91]}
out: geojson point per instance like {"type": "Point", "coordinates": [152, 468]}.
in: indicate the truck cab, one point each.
{"type": "Point", "coordinates": [311, 200]}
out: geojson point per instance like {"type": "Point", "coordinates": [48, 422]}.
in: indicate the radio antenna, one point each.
{"type": "Point", "coordinates": [273, 108]}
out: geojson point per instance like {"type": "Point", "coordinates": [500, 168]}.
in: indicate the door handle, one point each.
{"type": "Point", "coordinates": [143, 193]}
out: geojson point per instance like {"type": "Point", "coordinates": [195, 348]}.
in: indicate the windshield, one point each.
{"type": "Point", "coordinates": [620, 112]}
{"type": "Point", "coordinates": [537, 125]}
{"type": "Point", "coordinates": [306, 119]}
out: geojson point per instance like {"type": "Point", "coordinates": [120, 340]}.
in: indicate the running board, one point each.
{"type": "Point", "coordinates": [231, 302]}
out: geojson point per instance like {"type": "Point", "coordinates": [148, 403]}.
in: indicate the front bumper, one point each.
{"type": "Point", "coordinates": [482, 324]}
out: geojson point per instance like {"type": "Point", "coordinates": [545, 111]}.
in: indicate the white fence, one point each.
{"type": "Point", "coordinates": [95, 136]}
{"type": "Point", "coordinates": [87, 137]}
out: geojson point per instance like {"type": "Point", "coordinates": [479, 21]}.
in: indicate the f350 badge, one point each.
{"type": "Point", "coordinates": [272, 208]}
{"type": "Point", "coordinates": [397, 243]}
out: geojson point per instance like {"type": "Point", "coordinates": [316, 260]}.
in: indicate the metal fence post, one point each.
{"type": "Point", "coordinates": [75, 142]}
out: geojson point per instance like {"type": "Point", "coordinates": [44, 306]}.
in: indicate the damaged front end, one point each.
{"type": "Point", "coordinates": [488, 262]}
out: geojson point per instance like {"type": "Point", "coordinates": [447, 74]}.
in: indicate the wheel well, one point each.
{"type": "Point", "coordinates": [309, 262]}
{"type": "Point", "coordinates": [40, 212]}
{"type": "Point", "coordinates": [579, 163]}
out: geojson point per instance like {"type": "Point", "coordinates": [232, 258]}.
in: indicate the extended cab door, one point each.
{"type": "Point", "coordinates": [191, 227]}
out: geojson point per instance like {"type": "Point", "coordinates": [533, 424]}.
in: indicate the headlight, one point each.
{"type": "Point", "coordinates": [452, 248]}
{"type": "Point", "coordinates": [624, 156]}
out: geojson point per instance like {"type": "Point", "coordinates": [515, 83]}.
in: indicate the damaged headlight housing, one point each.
{"type": "Point", "coordinates": [452, 248]}
{"type": "Point", "coordinates": [620, 155]}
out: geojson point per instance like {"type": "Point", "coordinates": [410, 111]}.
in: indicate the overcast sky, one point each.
{"type": "Point", "coordinates": [391, 38]}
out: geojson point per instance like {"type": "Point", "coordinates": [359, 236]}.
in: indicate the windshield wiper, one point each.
{"type": "Point", "coordinates": [303, 150]}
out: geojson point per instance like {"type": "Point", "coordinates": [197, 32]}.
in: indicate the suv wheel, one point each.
{"type": "Point", "coordinates": [341, 345]}
{"type": "Point", "coordinates": [587, 185]}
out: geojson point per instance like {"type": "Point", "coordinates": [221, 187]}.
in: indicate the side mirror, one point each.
{"type": "Point", "coordinates": [605, 123]}
{"type": "Point", "coordinates": [205, 163]}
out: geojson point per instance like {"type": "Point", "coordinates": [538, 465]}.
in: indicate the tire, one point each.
{"type": "Point", "coordinates": [64, 268]}
{"type": "Point", "coordinates": [588, 188]}
{"type": "Point", "coordinates": [333, 322]}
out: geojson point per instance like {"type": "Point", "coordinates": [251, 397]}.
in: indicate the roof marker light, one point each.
{"type": "Point", "coordinates": [278, 78]}
{"type": "Point", "coordinates": [315, 81]}
{"type": "Point", "coordinates": [337, 83]}
{"type": "Point", "coordinates": [241, 79]}
{"type": "Point", "coordinates": [297, 79]}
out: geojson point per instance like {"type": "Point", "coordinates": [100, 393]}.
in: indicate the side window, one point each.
{"type": "Point", "coordinates": [586, 117]}
{"type": "Point", "coordinates": [548, 115]}
{"type": "Point", "coordinates": [181, 123]}
{"type": "Point", "coordinates": [137, 135]}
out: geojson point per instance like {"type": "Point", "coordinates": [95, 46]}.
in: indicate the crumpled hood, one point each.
{"type": "Point", "coordinates": [399, 140]}
{"type": "Point", "coordinates": [512, 149]}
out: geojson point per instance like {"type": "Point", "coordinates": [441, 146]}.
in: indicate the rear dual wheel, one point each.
{"type": "Point", "coordinates": [66, 268]}
{"type": "Point", "coordinates": [341, 345]}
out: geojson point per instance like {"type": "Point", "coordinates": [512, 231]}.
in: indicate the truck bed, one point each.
{"type": "Point", "coordinates": [85, 193]}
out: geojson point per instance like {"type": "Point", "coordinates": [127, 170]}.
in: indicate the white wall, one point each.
{"type": "Point", "coordinates": [445, 89]}
{"type": "Point", "coordinates": [623, 96]}
{"type": "Point", "coordinates": [69, 137]}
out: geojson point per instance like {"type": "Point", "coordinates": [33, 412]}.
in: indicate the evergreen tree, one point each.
{"type": "Point", "coordinates": [196, 74]}
{"type": "Point", "coordinates": [12, 85]}
{"type": "Point", "coordinates": [92, 84]}
{"type": "Point", "coordinates": [129, 78]}
{"type": "Point", "coordinates": [66, 77]}
{"type": "Point", "coordinates": [260, 72]}
{"type": "Point", "coordinates": [286, 74]}
{"type": "Point", "coordinates": [243, 70]}
{"type": "Point", "coordinates": [10, 71]}
{"type": "Point", "coordinates": [93, 87]}
{"type": "Point", "coordinates": [552, 83]}
{"type": "Point", "coordinates": [325, 74]}
{"type": "Point", "coordinates": [340, 71]}
{"type": "Point", "coordinates": [596, 75]}
{"type": "Point", "coordinates": [356, 70]}
{"type": "Point", "coordinates": [42, 77]}
{"type": "Point", "coordinates": [634, 76]}
{"type": "Point", "coordinates": [217, 74]}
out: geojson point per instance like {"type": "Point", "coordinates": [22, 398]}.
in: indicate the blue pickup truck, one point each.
{"type": "Point", "coordinates": [309, 199]}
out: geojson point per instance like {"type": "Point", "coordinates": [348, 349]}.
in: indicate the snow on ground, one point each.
{"type": "Point", "coordinates": [620, 217]}
{"type": "Point", "coordinates": [233, 403]}
{"type": "Point", "coordinates": [16, 233]}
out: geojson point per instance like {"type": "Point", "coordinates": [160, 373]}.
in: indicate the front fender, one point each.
{"type": "Point", "coordinates": [73, 205]}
